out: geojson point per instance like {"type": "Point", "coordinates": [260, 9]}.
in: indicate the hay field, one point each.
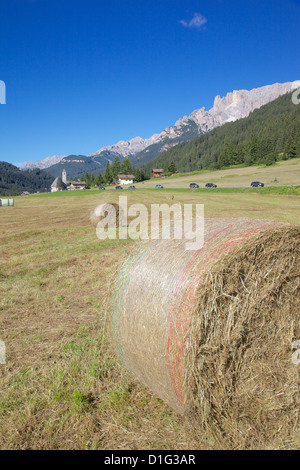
{"type": "Point", "coordinates": [62, 386]}
{"type": "Point", "coordinates": [286, 172]}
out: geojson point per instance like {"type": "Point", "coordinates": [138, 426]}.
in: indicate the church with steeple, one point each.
{"type": "Point", "coordinates": [57, 186]}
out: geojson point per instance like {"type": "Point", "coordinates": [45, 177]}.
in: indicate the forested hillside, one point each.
{"type": "Point", "coordinates": [268, 134]}
{"type": "Point", "coordinates": [14, 181]}
{"type": "Point", "coordinates": [76, 165]}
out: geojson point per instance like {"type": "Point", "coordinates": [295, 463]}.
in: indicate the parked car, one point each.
{"type": "Point", "coordinates": [194, 185]}
{"type": "Point", "coordinates": [159, 186]}
{"type": "Point", "coordinates": [119, 187]}
{"type": "Point", "coordinates": [211, 185]}
{"type": "Point", "coordinates": [131, 187]}
{"type": "Point", "coordinates": [102, 187]}
{"type": "Point", "coordinates": [256, 184]}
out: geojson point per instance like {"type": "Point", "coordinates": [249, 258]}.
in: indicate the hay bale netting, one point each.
{"type": "Point", "coordinates": [112, 212]}
{"type": "Point", "coordinates": [211, 332]}
{"type": "Point", "coordinates": [4, 202]}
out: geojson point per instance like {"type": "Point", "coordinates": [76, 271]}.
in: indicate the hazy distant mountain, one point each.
{"type": "Point", "coordinates": [233, 106]}
{"type": "Point", "coordinates": [42, 164]}
{"type": "Point", "coordinates": [75, 166]}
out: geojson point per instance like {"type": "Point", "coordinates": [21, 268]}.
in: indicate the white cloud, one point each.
{"type": "Point", "coordinates": [197, 22]}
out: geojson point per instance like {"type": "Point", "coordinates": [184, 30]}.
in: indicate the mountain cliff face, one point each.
{"type": "Point", "coordinates": [239, 104]}
{"type": "Point", "coordinates": [233, 106]}
{"type": "Point", "coordinates": [270, 133]}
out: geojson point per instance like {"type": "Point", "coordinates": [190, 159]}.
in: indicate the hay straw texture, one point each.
{"type": "Point", "coordinates": [111, 212]}
{"type": "Point", "coordinates": [211, 331]}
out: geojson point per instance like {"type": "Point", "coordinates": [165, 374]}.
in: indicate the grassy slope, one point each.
{"type": "Point", "coordinates": [286, 172]}
{"type": "Point", "coordinates": [62, 386]}
{"type": "Point", "coordinates": [234, 179]}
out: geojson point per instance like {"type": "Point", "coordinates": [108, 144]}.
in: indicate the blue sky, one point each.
{"type": "Point", "coordinates": [83, 74]}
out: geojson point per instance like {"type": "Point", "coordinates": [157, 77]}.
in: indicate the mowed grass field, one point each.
{"type": "Point", "coordinates": [62, 386]}
{"type": "Point", "coordinates": [286, 173]}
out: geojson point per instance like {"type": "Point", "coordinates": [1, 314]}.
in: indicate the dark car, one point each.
{"type": "Point", "coordinates": [194, 185]}
{"type": "Point", "coordinates": [257, 184]}
{"type": "Point", "coordinates": [211, 185]}
{"type": "Point", "coordinates": [102, 187]}
{"type": "Point", "coordinates": [159, 186]}
{"type": "Point", "coordinates": [119, 187]}
{"type": "Point", "coordinates": [131, 187]}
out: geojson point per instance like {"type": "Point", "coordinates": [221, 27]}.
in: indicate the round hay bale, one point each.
{"type": "Point", "coordinates": [211, 332]}
{"type": "Point", "coordinates": [112, 212]}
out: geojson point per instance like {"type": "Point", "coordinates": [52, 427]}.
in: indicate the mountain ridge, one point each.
{"type": "Point", "coordinates": [235, 105]}
{"type": "Point", "coordinates": [269, 134]}
{"type": "Point", "coordinates": [43, 163]}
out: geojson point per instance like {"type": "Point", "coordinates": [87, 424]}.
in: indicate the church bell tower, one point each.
{"type": "Point", "coordinates": [64, 176]}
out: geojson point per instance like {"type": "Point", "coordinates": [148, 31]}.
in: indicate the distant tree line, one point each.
{"type": "Point", "coordinates": [267, 135]}
{"type": "Point", "coordinates": [14, 181]}
{"type": "Point", "coordinates": [111, 171]}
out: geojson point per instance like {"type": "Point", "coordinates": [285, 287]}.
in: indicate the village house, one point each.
{"type": "Point", "coordinates": [70, 185]}
{"type": "Point", "coordinates": [125, 179]}
{"type": "Point", "coordinates": [157, 173]}
{"type": "Point", "coordinates": [76, 185]}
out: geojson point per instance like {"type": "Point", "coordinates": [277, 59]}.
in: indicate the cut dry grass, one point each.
{"type": "Point", "coordinates": [243, 388]}
{"type": "Point", "coordinates": [62, 386]}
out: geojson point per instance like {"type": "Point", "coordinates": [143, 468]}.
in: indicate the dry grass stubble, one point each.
{"type": "Point", "coordinates": [62, 386]}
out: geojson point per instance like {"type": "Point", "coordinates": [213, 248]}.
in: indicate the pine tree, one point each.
{"type": "Point", "coordinates": [116, 167]}
{"type": "Point", "coordinates": [92, 179]}
{"type": "Point", "coordinates": [99, 179]}
{"type": "Point", "coordinates": [290, 148]}
{"type": "Point", "coordinates": [172, 167]}
{"type": "Point", "coordinates": [298, 148]}
{"type": "Point", "coordinates": [86, 177]}
{"type": "Point", "coordinates": [126, 167]}
{"type": "Point", "coordinates": [270, 159]}
{"type": "Point", "coordinates": [107, 177]}
{"type": "Point", "coordinates": [137, 175]}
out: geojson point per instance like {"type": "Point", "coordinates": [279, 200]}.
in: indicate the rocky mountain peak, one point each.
{"type": "Point", "coordinates": [235, 105]}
